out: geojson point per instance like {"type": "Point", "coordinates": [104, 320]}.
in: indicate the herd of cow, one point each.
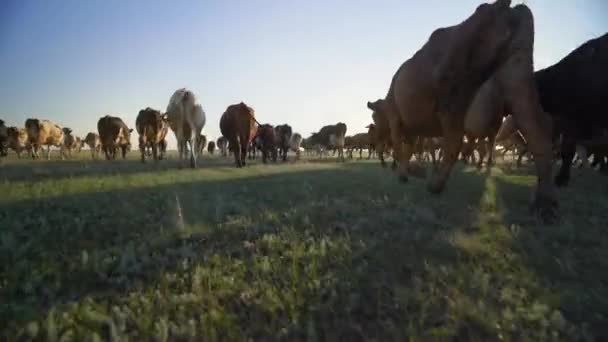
{"type": "Point", "coordinates": [470, 87]}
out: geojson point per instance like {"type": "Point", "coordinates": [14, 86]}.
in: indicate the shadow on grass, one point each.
{"type": "Point", "coordinates": [344, 254]}
{"type": "Point", "coordinates": [567, 260]}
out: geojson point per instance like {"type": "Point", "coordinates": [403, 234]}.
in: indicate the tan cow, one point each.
{"type": "Point", "coordinates": [17, 140]}
{"type": "Point", "coordinates": [70, 142]}
{"type": "Point", "coordinates": [152, 127]}
{"type": "Point", "coordinates": [44, 132]}
{"type": "Point", "coordinates": [92, 140]}
{"type": "Point", "coordinates": [186, 116]}
{"type": "Point", "coordinates": [430, 93]}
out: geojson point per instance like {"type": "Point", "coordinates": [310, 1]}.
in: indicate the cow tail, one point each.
{"type": "Point", "coordinates": [144, 136]}
{"type": "Point", "coordinates": [254, 119]}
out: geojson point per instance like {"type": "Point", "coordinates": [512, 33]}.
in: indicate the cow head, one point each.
{"type": "Point", "coordinates": [67, 131]}
{"type": "Point", "coordinates": [32, 126]}
{"type": "Point", "coordinates": [12, 132]}
{"type": "Point", "coordinates": [340, 129]}
{"type": "Point", "coordinates": [1, 122]}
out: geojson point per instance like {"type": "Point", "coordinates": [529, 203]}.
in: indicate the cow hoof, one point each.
{"type": "Point", "coordinates": [403, 178]}
{"type": "Point", "coordinates": [561, 180]}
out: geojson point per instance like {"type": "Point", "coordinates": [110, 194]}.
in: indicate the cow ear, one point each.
{"type": "Point", "coordinates": [130, 130]}
{"type": "Point", "coordinates": [371, 105]}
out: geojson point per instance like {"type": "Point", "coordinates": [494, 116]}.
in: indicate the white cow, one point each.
{"type": "Point", "coordinates": [294, 144]}
{"type": "Point", "coordinates": [186, 119]}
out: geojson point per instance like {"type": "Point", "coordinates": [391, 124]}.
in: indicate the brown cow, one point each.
{"type": "Point", "coordinates": [152, 127]}
{"type": "Point", "coordinates": [44, 132]}
{"type": "Point", "coordinates": [267, 142]}
{"type": "Point", "coordinates": [237, 125]}
{"type": "Point", "coordinates": [380, 134]}
{"type": "Point", "coordinates": [17, 140]}
{"type": "Point", "coordinates": [431, 92]}
{"type": "Point", "coordinates": [114, 134]}
{"type": "Point", "coordinates": [92, 140]}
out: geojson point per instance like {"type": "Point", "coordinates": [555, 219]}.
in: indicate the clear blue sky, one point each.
{"type": "Point", "coordinates": [306, 63]}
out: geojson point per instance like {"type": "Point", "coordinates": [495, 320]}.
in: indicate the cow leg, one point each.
{"type": "Point", "coordinates": [193, 147]}
{"type": "Point", "coordinates": [142, 149]}
{"type": "Point", "coordinates": [48, 152]}
{"type": "Point", "coordinates": [243, 147]}
{"type": "Point", "coordinates": [401, 152]}
{"type": "Point", "coordinates": [491, 147]}
{"type": "Point", "coordinates": [265, 154]}
{"type": "Point", "coordinates": [380, 153]}
{"type": "Point", "coordinates": [481, 149]}
{"type": "Point", "coordinates": [536, 128]}
{"type": "Point", "coordinates": [451, 144]}
{"type": "Point", "coordinates": [568, 151]}
{"type": "Point", "coordinates": [235, 144]}
{"type": "Point", "coordinates": [155, 155]}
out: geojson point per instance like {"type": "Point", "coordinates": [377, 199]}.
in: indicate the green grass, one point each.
{"type": "Point", "coordinates": [313, 251]}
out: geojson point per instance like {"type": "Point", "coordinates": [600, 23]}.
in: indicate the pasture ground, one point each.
{"type": "Point", "coordinates": [315, 251]}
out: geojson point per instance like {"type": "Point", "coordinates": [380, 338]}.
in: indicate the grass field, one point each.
{"type": "Point", "coordinates": [313, 251]}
